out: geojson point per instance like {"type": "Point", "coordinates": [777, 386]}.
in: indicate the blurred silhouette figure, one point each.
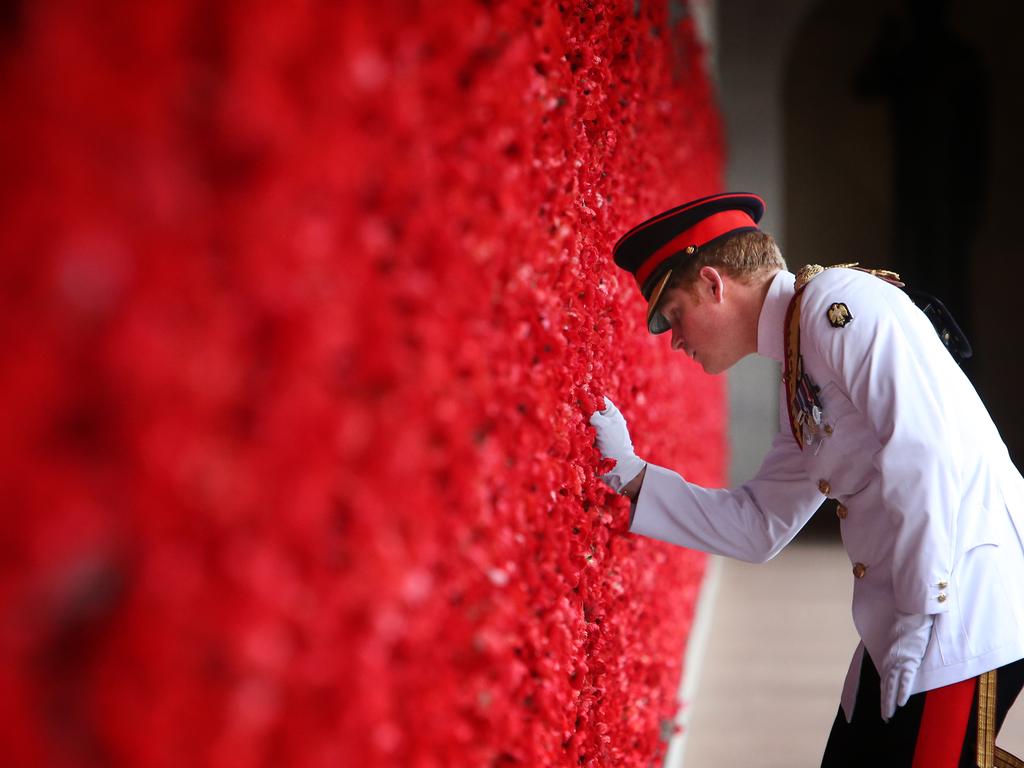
{"type": "Point", "coordinates": [936, 88]}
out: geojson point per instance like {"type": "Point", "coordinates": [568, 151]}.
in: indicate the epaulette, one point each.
{"type": "Point", "coordinates": [805, 274]}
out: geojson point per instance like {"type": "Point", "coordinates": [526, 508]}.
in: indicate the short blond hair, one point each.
{"type": "Point", "coordinates": [745, 257]}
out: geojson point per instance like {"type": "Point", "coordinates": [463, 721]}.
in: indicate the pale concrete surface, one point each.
{"type": "Point", "coordinates": [778, 643]}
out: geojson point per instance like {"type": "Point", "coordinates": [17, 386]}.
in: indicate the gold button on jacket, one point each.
{"type": "Point", "coordinates": [841, 512]}
{"type": "Point", "coordinates": [824, 487]}
{"type": "Point", "coordinates": [859, 569]}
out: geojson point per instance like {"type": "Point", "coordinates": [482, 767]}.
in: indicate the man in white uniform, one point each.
{"type": "Point", "coordinates": [876, 414]}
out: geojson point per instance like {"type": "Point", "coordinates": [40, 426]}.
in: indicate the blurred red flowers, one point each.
{"type": "Point", "coordinates": [306, 306]}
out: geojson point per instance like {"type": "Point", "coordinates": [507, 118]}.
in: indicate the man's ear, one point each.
{"type": "Point", "coordinates": [711, 283]}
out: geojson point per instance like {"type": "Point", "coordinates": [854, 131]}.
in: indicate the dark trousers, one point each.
{"type": "Point", "coordinates": [935, 726]}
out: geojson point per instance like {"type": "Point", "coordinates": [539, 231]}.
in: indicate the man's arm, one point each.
{"type": "Point", "coordinates": [751, 522]}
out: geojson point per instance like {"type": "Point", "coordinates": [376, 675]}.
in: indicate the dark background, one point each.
{"type": "Point", "coordinates": [897, 130]}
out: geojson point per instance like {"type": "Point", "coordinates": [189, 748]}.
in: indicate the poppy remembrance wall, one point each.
{"type": "Point", "coordinates": [306, 306]}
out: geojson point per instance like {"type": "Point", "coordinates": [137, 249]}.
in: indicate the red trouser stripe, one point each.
{"type": "Point", "coordinates": [940, 738]}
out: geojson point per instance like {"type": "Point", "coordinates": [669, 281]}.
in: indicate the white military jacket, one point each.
{"type": "Point", "coordinates": [931, 507]}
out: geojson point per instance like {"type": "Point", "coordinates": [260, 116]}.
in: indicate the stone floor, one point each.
{"type": "Point", "coordinates": [774, 642]}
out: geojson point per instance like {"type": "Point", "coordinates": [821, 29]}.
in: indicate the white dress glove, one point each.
{"type": "Point", "coordinates": [613, 442]}
{"type": "Point", "coordinates": [910, 639]}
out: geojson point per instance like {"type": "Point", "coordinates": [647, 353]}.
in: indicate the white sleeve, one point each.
{"type": "Point", "coordinates": [899, 376]}
{"type": "Point", "coordinates": [752, 522]}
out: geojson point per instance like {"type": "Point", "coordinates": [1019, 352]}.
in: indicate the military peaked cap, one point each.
{"type": "Point", "coordinates": [653, 249]}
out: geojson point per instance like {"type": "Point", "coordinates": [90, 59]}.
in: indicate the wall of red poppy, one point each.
{"type": "Point", "coordinates": [305, 308]}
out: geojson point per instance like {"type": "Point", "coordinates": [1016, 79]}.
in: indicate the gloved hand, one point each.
{"type": "Point", "coordinates": [613, 442]}
{"type": "Point", "coordinates": [910, 639]}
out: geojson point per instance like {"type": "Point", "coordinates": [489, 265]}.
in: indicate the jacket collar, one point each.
{"type": "Point", "coordinates": [770, 330]}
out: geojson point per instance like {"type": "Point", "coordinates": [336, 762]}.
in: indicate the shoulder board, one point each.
{"type": "Point", "coordinates": [805, 274]}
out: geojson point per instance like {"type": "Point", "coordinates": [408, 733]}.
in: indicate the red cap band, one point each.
{"type": "Point", "coordinates": [704, 231]}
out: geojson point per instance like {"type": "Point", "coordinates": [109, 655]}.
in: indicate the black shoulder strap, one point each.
{"type": "Point", "coordinates": [942, 320]}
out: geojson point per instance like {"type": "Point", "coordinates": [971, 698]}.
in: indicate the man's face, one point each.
{"type": "Point", "coordinates": [701, 324]}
